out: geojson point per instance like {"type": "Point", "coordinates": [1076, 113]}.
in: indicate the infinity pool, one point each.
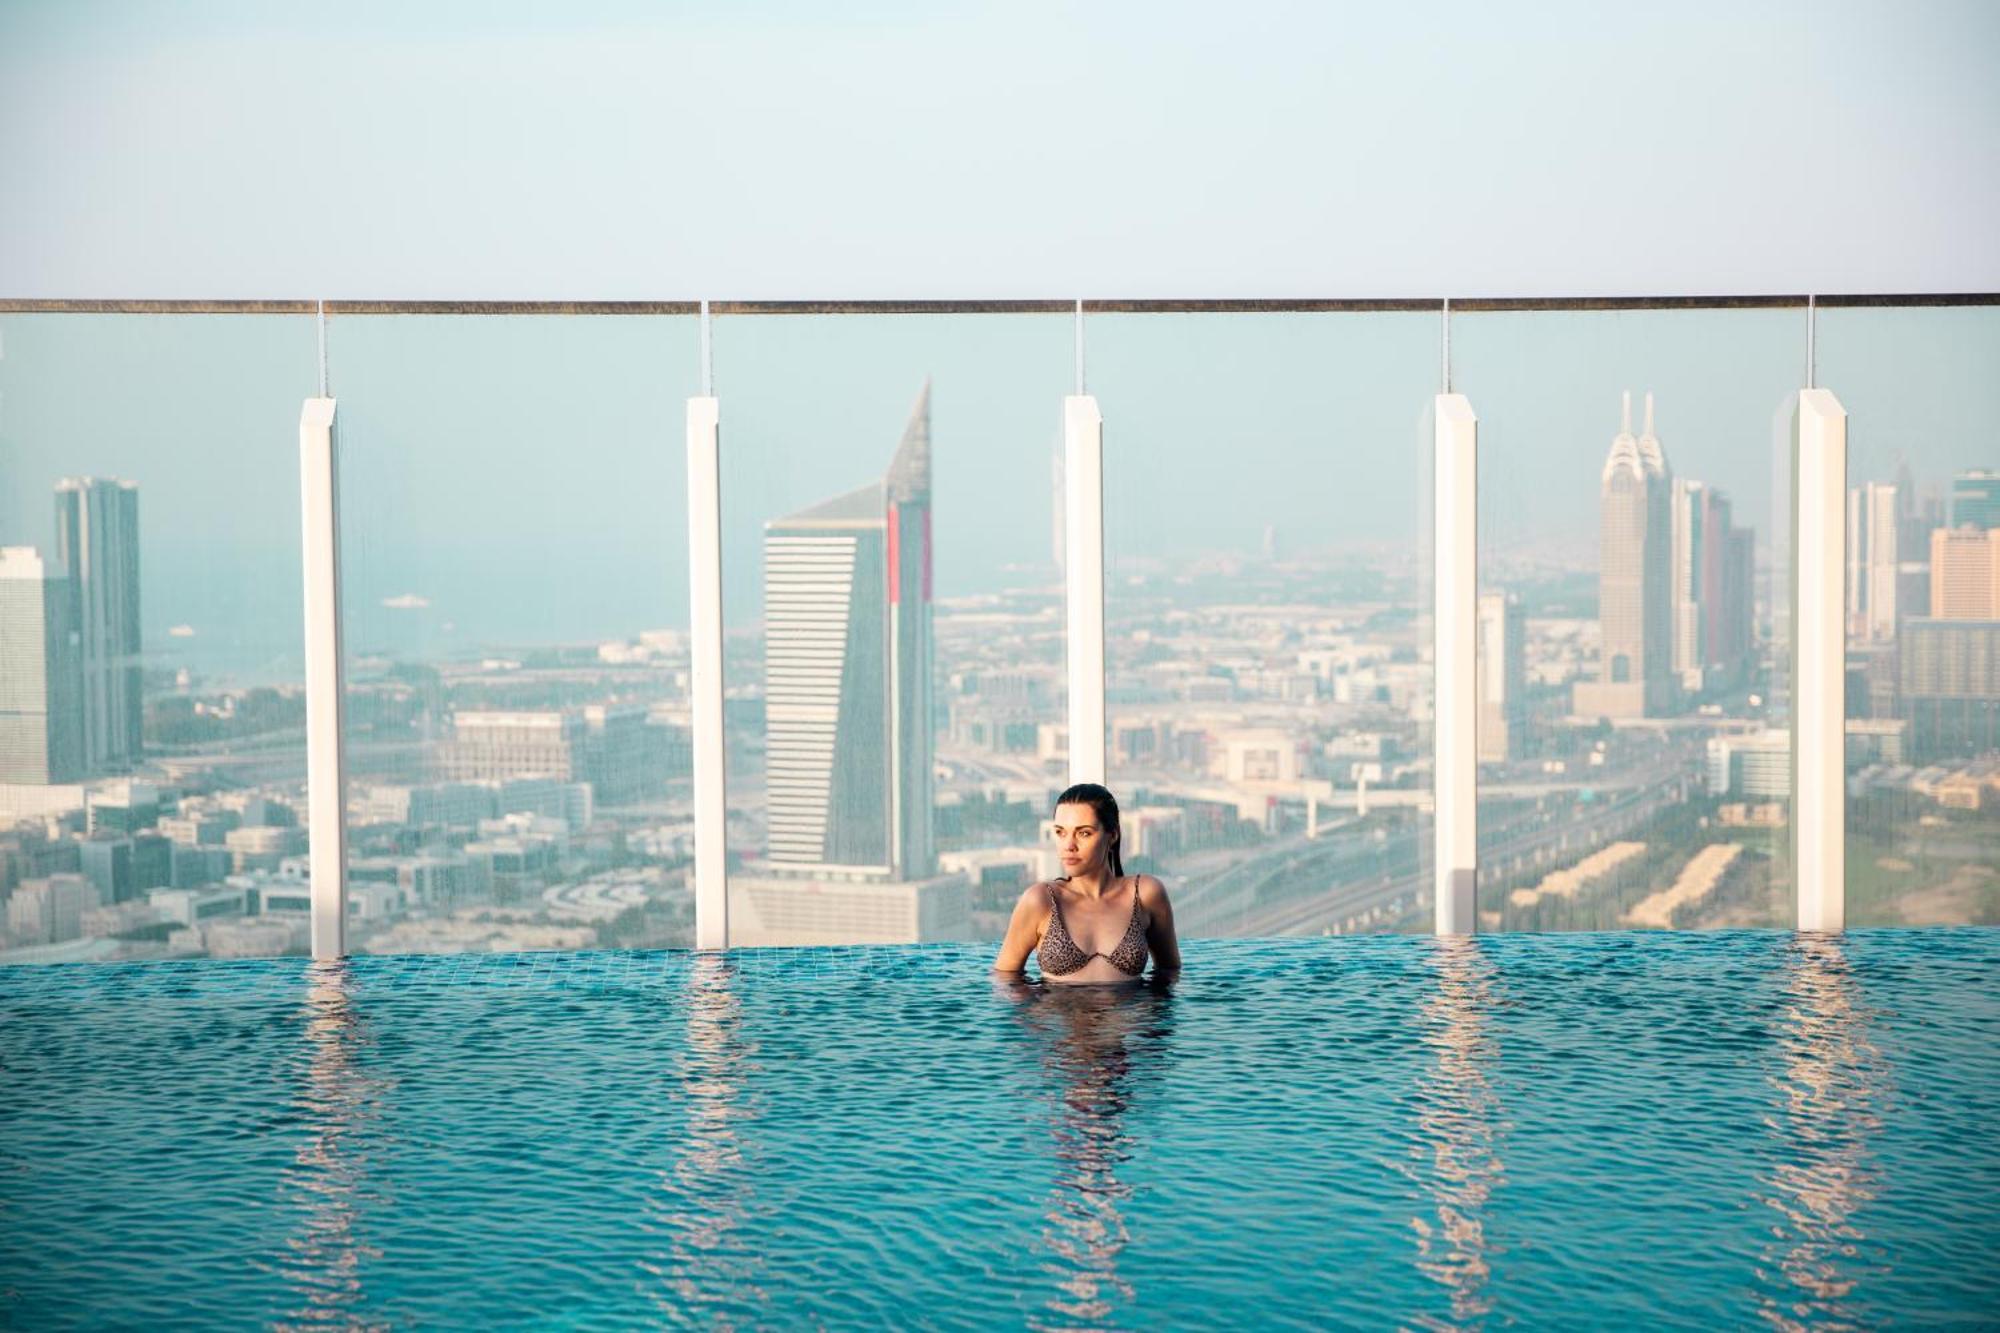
{"type": "Point", "coordinates": [1590, 1130]}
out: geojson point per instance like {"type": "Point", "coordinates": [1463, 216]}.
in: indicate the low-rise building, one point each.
{"type": "Point", "coordinates": [1753, 765]}
{"type": "Point", "coordinates": [194, 907]}
{"type": "Point", "coordinates": [811, 910]}
{"type": "Point", "coordinates": [122, 867]}
{"type": "Point", "coordinates": [205, 826]}
{"type": "Point", "coordinates": [263, 846]}
{"type": "Point", "coordinates": [123, 807]}
{"type": "Point", "coordinates": [49, 911]}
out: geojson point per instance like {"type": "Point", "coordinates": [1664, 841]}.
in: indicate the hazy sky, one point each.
{"type": "Point", "coordinates": [522, 478]}
{"type": "Point", "coordinates": [893, 148]}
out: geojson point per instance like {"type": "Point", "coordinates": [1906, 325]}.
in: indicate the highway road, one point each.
{"type": "Point", "coordinates": [1376, 868]}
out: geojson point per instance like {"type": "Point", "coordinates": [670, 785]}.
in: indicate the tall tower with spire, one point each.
{"type": "Point", "coordinates": [1634, 577]}
{"type": "Point", "coordinates": [848, 664]}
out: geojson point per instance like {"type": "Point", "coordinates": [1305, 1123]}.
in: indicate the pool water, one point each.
{"type": "Point", "coordinates": [1717, 1129]}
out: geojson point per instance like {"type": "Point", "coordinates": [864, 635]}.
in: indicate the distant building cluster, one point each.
{"type": "Point", "coordinates": [146, 857]}
{"type": "Point", "coordinates": [1923, 617]}
{"type": "Point", "coordinates": [1269, 716]}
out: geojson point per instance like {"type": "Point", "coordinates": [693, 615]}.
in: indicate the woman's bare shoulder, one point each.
{"type": "Point", "coordinates": [1037, 893]}
{"type": "Point", "coordinates": [1150, 889]}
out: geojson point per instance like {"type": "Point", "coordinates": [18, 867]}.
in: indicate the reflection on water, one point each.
{"type": "Point", "coordinates": [708, 1190]}
{"type": "Point", "coordinates": [1455, 1156]}
{"type": "Point", "coordinates": [1830, 1088]}
{"type": "Point", "coordinates": [329, 1179]}
{"type": "Point", "coordinates": [1085, 1034]}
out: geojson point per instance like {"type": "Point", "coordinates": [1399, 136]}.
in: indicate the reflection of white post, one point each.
{"type": "Point", "coordinates": [1083, 541]}
{"type": "Point", "coordinates": [326, 771]}
{"type": "Point", "coordinates": [1819, 663]}
{"type": "Point", "coordinates": [711, 810]}
{"type": "Point", "coordinates": [1456, 611]}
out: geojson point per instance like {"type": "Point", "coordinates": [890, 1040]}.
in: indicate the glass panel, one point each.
{"type": "Point", "coordinates": [1268, 634]}
{"type": "Point", "coordinates": [1633, 726]}
{"type": "Point", "coordinates": [514, 551]}
{"type": "Point", "coordinates": [1923, 634]}
{"type": "Point", "coordinates": [891, 715]}
{"type": "Point", "coordinates": [152, 711]}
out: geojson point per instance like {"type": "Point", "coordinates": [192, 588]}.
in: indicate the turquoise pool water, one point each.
{"type": "Point", "coordinates": [1578, 1131]}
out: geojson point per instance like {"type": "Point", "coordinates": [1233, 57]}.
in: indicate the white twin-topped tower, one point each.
{"type": "Point", "coordinates": [1674, 583]}
{"type": "Point", "coordinates": [1633, 578]}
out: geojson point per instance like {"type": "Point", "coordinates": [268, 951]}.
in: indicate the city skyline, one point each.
{"type": "Point", "coordinates": [510, 527]}
{"type": "Point", "coordinates": [453, 461]}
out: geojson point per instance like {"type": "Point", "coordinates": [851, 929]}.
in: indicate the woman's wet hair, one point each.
{"type": "Point", "coordinates": [1105, 805]}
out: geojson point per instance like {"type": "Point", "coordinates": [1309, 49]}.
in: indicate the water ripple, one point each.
{"type": "Point", "coordinates": [1568, 1131]}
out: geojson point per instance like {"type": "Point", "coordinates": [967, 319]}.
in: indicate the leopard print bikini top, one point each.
{"type": "Point", "coordinates": [1060, 954]}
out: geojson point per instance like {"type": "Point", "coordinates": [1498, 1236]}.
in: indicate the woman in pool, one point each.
{"type": "Point", "coordinates": [1094, 923]}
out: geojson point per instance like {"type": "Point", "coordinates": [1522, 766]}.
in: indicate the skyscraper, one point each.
{"type": "Point", "coordinates": [1710, 593]}
{"type": "Point", "coordinates": [1501, 665]}
{"type": "Point", "coordinates": [1965, 573]}
{"type": "Point", "coordinates": [1733, 622]}
{"type": "Point", "coordinates": [847, 624]}
{"type": "Point", "coordinates": [1691, 539]}
{"type": "Point", "coordinates": [1634, 578]}
{"type": "Point", "coordinates": [1975, 499]}
{"type": "Point", "coordinates": [1872, 561]}
{"type": "Point", "coordinates": [1917, 516]}
{"type": "Point", "coordinates": [41, 705]}
{"type": "Point", "coordinates": [97, 540]}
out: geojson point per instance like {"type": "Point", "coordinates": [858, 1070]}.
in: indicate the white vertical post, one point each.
{"type": "Point", "coordinates": [326, 768]}
{"type": "Point", "coordinates": [1455, 565]}
{"type": "Point", "coordinates": [1819, 661]}
{"type": "Point", "coordinates": [711, 811]}
{"type": "Point", "coordinates": [1083, 544]}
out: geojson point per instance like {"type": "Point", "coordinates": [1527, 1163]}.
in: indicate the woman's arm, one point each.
{"type": "Point", "coordinates": [1160, 936]}
{"type": "Point", "coordinates": [1024, 930]}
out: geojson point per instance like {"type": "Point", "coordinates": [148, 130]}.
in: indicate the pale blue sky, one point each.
{"type": "Point", "coordinates": [883, 149]}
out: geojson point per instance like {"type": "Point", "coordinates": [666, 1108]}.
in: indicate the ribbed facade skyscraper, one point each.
{"type": "Point", "coordinates": [848, 663]}
{"type": "Point", "coordinates": [97, 541]}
